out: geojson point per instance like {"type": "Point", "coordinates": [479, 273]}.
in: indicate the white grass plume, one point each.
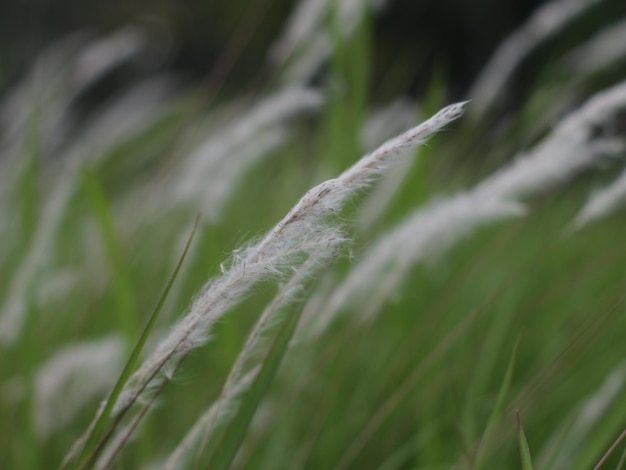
{"type": "Point", "coordinates": [310, 59]}
{"type": "Point", "coordinates": [379, 126]}
{"type": "Point", "coordinates": [428, 231]}
{"type": "Point", "coordinates": [215, 415]}
{"type": "Point", "coordinates": [546, 21]}
{"type": "Point", "coordinates": [209, 172]}
{"type": "Point", "coordinates": [120, 119]}
{"type": "Point", "coordinates": [301, 25]}
{"type": "Point", "coordinates": [577, 428]}
{"type": "Point", "coordinates": [128, 112]}
{"type": "Point", "coordinates": [104, 54]}
{"type": "Point", "coordinates": [302, 232]}
{"type": "Point", "coordinates": [59, 75]}
{"type": "Point", "coordinates": [602, 202]}
{"type": "Point", "coordinates": [13, 309]}
{"type": "Point", "coordinates": [305, 45]}
{"type": "Point", "coordinates": [272, 314]}
{"type": "Point", "coordinates": [73, 377]}
{"type": "Point", "coordinates": [307, 22]}
{"type": "Point", "coordinates": [243, 371]}
{"type": "Point", "coordinates": [44, 92]}
{"type": "Point", "coordinates": [602, 51]}
{"type": "Point", "coordinates": [570, 147]}
{"type": "Point", "coordinates": [567, 150]}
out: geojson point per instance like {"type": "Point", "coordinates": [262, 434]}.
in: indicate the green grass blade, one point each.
{"type": "Point", "coordinates": [125, 306]}
{"type": "Point", "coordinates": [235, 433]}
{"type": "Point", "coordinates": [88, 453]}
{"type": "Point", "coordinates": [524, 450]}
{"type": "Point", "coordinates": [401, 456]}
{"type": "Point", "coordinates": [350, 74]}
{"type": "Point", "coordinates": [496, 413]}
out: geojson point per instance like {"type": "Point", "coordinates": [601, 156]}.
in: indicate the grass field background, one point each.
{"type": "Point", "coordinates": [424, 367]}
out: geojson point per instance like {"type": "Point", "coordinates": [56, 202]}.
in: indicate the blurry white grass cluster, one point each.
{"type": "Point", "coordinates": [603, 202]}
{"type": "Point", "coordinates": [129, 115]}
{"type": "Point", "coordinates": [72, 378]}
{"type": "Point", "coordinates": [567, 150]}
{"type": "Point", "coordinates": [308, 237]}
{"type": "Point", "coordinates": [306, 44]}
{"type": "Point", "coordinates": [592, 411]}
{"type": "Point", "coordinates": [243, 371]}
{"type": "Point", "coordinates": [547, 21]}
{"type": "Point", "coordinates": [605, 49]}
{"type": "Point", "coordinates": [57, 79]}
{"type": "Point", "coordinates": [210, 172]}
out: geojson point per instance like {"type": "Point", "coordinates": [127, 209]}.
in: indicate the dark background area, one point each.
{"type": "Point", "coordinates": [232, 37]}
{"type": "Point", "coordinates": [223, 45]}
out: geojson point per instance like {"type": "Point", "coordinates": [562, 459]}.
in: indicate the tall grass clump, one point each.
{"type": "Point", "coordinates": [302, 233]}
{"type": "Point", "coordinates": [453, 298]}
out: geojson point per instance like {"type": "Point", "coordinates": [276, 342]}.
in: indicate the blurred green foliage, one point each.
{"type": "Point", "coordinates": [522, 315]}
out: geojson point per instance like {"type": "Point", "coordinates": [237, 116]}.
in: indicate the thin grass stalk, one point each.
{"type": "Point", "coordinates": [391, 403]}
{"type": "Point", "coordinates": [136, 421]}
{"type": "Point", "coordinates": [395, 398]}
{"type": "Point", "coordinates": [93, 455]}
{"type": "Point", "coordinates": [79, 444]}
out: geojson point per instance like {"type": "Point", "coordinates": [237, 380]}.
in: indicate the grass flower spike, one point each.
{"type": "Point", "coordinates": [302, 233]}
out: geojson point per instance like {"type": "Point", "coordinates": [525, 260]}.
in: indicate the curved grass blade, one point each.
{"type": "Point", "coordinates": [496, 413]}
{"type": "Point", "coordinates": [524, 450]}
{"type": "Point", "coordinates": [126, 309]}
{"type": "Point", "coordinates": [233, 436]}
{"type": "Point", "coordinates": [90, 450]}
